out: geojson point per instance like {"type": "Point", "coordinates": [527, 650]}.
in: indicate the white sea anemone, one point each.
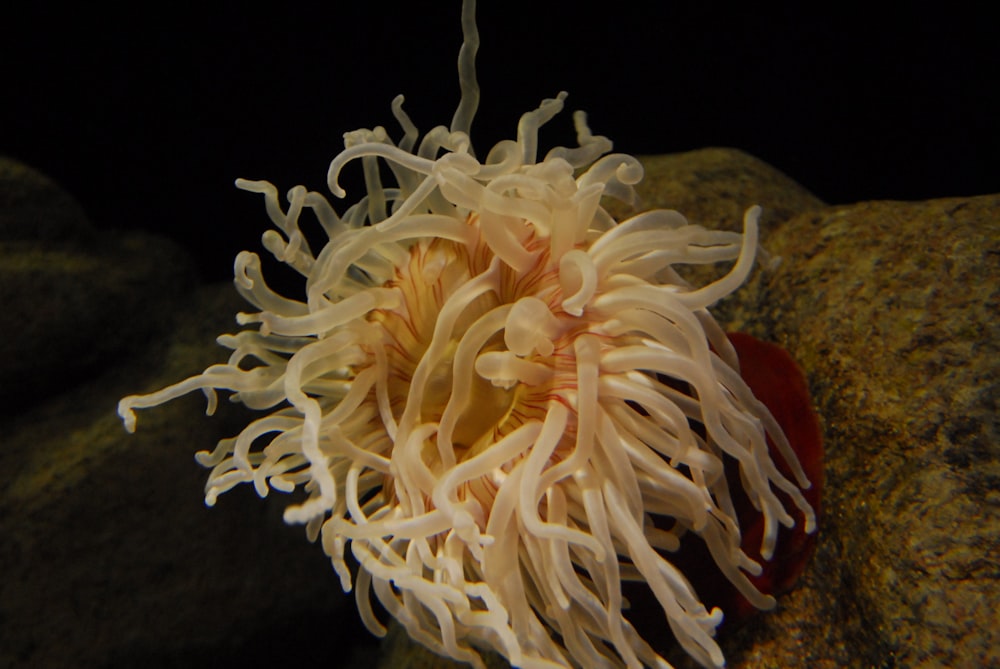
{"type": "Point", "coordinates": [475, 394]}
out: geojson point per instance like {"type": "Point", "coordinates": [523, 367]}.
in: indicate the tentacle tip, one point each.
{"type": "Point", "coordinates": [127, 415]}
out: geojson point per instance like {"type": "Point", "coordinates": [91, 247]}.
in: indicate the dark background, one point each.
{"type": "Point", "coordinates": [147, 113]}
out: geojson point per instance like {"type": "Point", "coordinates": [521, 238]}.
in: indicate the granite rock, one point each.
{"type": "Point", "coordinates": [891, 308]}
{"type": "Point", "coordinates": [714, 187]}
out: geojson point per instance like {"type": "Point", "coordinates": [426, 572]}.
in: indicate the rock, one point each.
{"type": "Point", "coordinates": [111, 558]}
{"type": "Point", "coordinates": [714, 187]}
{"type": "Point", "coordinates": [70, 293]}
{"type": "Point", "coordinates": [891, 307]}
{"type": "Point", "coordinates": [33, 207]}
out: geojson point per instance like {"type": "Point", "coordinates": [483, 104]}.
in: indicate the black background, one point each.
{"type": "Point", "coordinates": [148, 112]}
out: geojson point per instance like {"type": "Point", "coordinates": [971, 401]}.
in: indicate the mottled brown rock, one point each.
{"type": "Point", "coordinates": [891, 307]}
{"type": "Point", "coordinates": [714, 187]}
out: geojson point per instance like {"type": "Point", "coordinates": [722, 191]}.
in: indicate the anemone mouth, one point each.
{"type": "Point", "coordinates": [433, 274]}
{"type": "Point", "coordinates": [472, 387]}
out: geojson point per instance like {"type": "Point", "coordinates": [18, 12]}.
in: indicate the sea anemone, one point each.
{"type": "Point", "coordinates": [506, 403]}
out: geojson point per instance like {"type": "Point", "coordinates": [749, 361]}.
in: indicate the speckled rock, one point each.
{"type": "Point", "coordinates": [714, 187]}
{"type": "Point", "coordinates": [892, 309]}
{"type": "Point", "coordinates": [69, 292]}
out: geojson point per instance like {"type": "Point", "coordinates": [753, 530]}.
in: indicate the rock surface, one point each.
{"type": "Point", "coordinates": [714, 187]}
{"type": "Point", "coordinates": [891, 307]}
{"type": "Point", "coordinates": [70, 296]}
{"type": "Point", "coordinates": [111, 560]}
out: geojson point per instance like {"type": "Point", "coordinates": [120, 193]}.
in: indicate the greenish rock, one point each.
{"type": "Point", "coordinates": [111, 558]}
{"type": "Point", "coordinates": [35, 208]}
{"type": "Point", "coordinates": [70, 293]}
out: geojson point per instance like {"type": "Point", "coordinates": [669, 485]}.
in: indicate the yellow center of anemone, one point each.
{"type": "Point", "coordinates": [435, 270]}
{"type": "Point", "coordinates": [493, 403]}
